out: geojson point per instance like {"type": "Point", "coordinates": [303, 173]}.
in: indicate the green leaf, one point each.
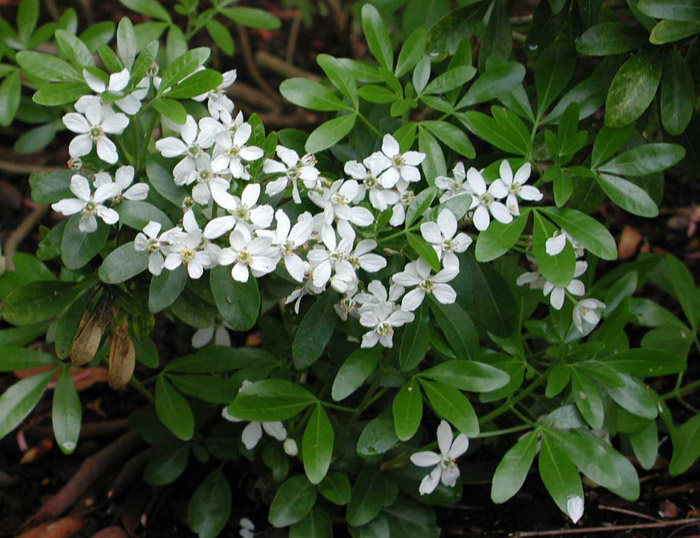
{"type": "Point", "coordinates": [407, 410]}
{"type": "Point", "coordinates": [293, 502]}
{"type": "Point", "coordinates": [175, 44]}
{"type": "Point", "coordinates": [434, 163]}
{"type": "Point", "coordinates": [122, 264]}
{"type": "Point", "coordinates": [558, 473]}
{"type": "Point", "coordinates": [66, 413]}
{"type": "Point", "coordinates": [252, 17]}
{"type": "Point", "coordinates": [330, 133]}
{"type": "Point", "coordinates": [208, 388]}
{"type": "Point", "coordinates": [316, 525]}
{"type": "Point", "coordinates": [608, 38]}
{"type": "Point", "coordinates": [513, 468]}
{"type": "Point", "coordinates": [646, 362]}
{"type": "Point", "coordinates": [467, 375]}
{"type": "Point", "coordinates": [633, 88]}
{"type": "Point", "coordinates": [37, 301]}
{"type": "Point", "coordinates": [199, 83]}
{"type": "Point", "coordinates": [152, 8]}
{"type": "Point", "coordinates": [77, 247]}
{"type": "Point", "coordinates": [675, 10]}
{"type": "Point", "coordinates": [47, 67]}
{"type": "Point", "coordinates": [452, 136]}
{"type": "Point", "coordinates": [587, 231]}
{"type": "Point", "coordinates": [633, 397]}
{"type": "Point", "coordinates": [166, 288]}
{"type": "Point", "coordinates": [587, 399]}
{"type": "Point", "coordinates": [98, 34]}
{"type": "Point", "coordinates": [457, 327]}
{"type": "Point", "coordinates": [237, 302]}
{"type": "Point", "coordinates": [13, 357]}
{"type": "Point", "coordinates": [19, 400]}
{"type": "Point", "coordinates": [453, 406]}
{"type": "Point", "coordinates": [183, 66]}
{"type": "Point", "coordinates": [173, 410]}
{"type": "Point", "coordinates": [354, 372]}
{"type": "Point", "coordinates": [497, 42]}
{"type": "Point", "coordinates": [669, 31]}
{"type": "Point", "coordinates": [559, 269]}
{"type": "Point", "coordinates": [166, 465]}
{"type": "Point", "coordinates": [499, 238]}
{"type": "Point", "coordinates": [589, 455]}
{"type": "Point", "coordinates": [335, 487]}
{"type": "Point", "coordinates": [377, 36]}
{"type": "Point", "coordinates": [409, 519]}
{"type": "Point", "coordinates": [340, 76]}
{"type": "Point", "coordinates": [311, 94]}
{"type": "Point", "coordinates": [454, 78]}
{"type": "Point", "coordinates": [683, 288]}
{"type": "Point", "coordinates": [497, 82]}
{"type": "Point", "coordinates": [686, 446]}
{"type": "Point", "coordinates": [415, 341]}
{"type": "Point", "coordinates": [314, 331]}
{"type": "Point", "coordinates": [419, 205]}
{"type": "Point", "coordinates": [35, 139]}
{"type": "Point", "coordinates": [68, 326]}
{"type": "Point", "coordinates": [317, 445]}
{"type": "Point", "coordinates": [627, 195]}
{"type": "Point", "coordinates": [271, 400]}
{"type": "Point", "coordinates": [421, 74]}
{"type": "Point", "coordinates": [645, 444]}
{"type": "Point", "coordinates": [126, 43]}
{"type": "Point", "coordinates": [608, 142]}
{"type": "Point", "coordinates": [676, 93]}
{"type": "Point", "coordinates": [10, 91]}
{"type": "Point", "coordinates": [424, 249]}
{"type": "Point", "coordinates": [367, 497]}
{"type": "Point", "coordinates": [27, 17]}
{"type": "Point", "coordinates": [60, 93]}
{"type": "Point", "coordinates": [644, 160]}
{"type": "Point", "coordinates": [210, 505]}
{"type": "Point", "coordinates": [507, 133]}
{"type": "Point", "coordinates": [378, 436]}
{"type": "Point", "coordinates": [74, 49]}
{"type": "Point", "coordinates": [377, 94]}
{"type": "Point", "coordinates": [411, 52]}
{"type": "Point", "coordinates": [552, 73]}
{"type": "Point", "coordinates": [137, 214]}
{"type": "Point", "coordinates": [218, 359]}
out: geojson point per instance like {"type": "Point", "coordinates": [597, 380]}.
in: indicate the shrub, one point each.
{"type": "Point", "coordinates": [410, 292]}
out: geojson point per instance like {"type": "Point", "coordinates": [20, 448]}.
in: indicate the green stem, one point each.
{"type": "Point", "coordinates": [369, 124]}
{"type": "Point", "coordinates": [339, 407]}
{"type": "Point", "coordinates": [505, 431]}
{"type": "Point", "coordinates": [143, 390]}
{"type": "Point", "coordinates": [507, 406]}
{"type": "Point", "coordinates": [680, 391]}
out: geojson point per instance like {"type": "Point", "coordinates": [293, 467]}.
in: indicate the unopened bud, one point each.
{"type": "Point", "coordinates": [290, 447]}
{"type": "Point", "coordinates": [122, 357]}
{"type": "Point", "coordinates": [75, 163]}
{"type": "Point", "coordinates": [89, 336]}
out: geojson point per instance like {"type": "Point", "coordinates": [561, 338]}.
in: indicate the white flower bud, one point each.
{"type": "Point", "coordinates": [574, 506]}
{"type": "Point", "coordinates": [290, 447]}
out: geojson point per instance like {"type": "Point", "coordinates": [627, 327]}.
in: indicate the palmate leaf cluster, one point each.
{"type": "Point", "coordinates": [597, 100]}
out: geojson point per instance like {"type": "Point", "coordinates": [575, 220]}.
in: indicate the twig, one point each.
{"type": "Point", "coordinates": [627, 512]}
{"type": "Point", "coordinates": [18, 234]}
{"type": "Point", "coordinates": [250, 63]}
{"type": "Point", "coordinates": [251, 95]}
{"type": "Point", "coordinates": [129, 473]}
{"type": "Point", "coordinates": [90, 430]}
{"type": "Point", "coordinates": [293, 36]}
{"type": "Point", "coordinates": [274, 64]}
{"type": "Point", "coordinates": [26, 168]}
{"type": "Point", "coordinates": [611, 528]}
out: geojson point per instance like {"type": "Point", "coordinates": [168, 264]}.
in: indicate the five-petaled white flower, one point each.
{"type": "Point", "coordinates": [123, 178]}
{"type": "Point", "coordinates": [90, 205]}
{"type": "Point", "coordinates": [367, 172]}
{"type": "Point", "coordinates": [441, 235]}
{"type": "Point", "coordinates": [454, 185]}
{"type": "Point", "coordinates": [253, 431]}
{"type": "Point", "coordinates": [218, 101]}
{"type": "Point", "coordinates": [289, 239]}
{"type": "Point", "coordinates": [150, 241]}
{"type": "Point", "coordinates": [248, 254]}
{"type": "Point", "coordinates": [293, 169]}
{"type": "Point", "coordinates": [395, 166]}
{"type": "Point", "coordinates": [337, 200]}
{"type": "Point", "coordinates": [486, 200]}
{"type": "Point", "coordinates": [587, 310]}
{"type": "Point", "coordinates": [243, 211]}
{"type": "Point", "coordinates": [326, 260]}
{"type": "Point", "coordinates": [189, 249]}
{"type": "Point", "coordinates": [191, 145]}
{"type": "Point", "coordinates": [418, 274]}
{"type": "Point", "coordinates": [575, 287]}
{"type": "Point", "coordinates": [93, 128]}
{"type": "Point", "coordinates": [515, 185]}
{"type": "Point", "coordinates": [446, 469]}
{"type": "Point", "coordinates": [382, 318]}
{"type": "Point", "coordinates": [129, 103]}
{"type": "Point", "coordinates": [232, 154]}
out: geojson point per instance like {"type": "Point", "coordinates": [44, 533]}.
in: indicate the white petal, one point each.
{"type": "Point", "coordinates": [276, 430]}
{"type": "Point", "coordinates": [115, 124]}
{"type": "Point", "coordinates": [554, 245]}
{"type": "Point", "coordinates": [425, 459]}
{"type": "Point", "coordinates": [481, 218]}
{"type": "Point", "coordinates": [81, 145]}
{"type": "Point", "coordinates": [530, 193]}
{"type": "Point", "coordinates": [500, 213]}
{"type": "Point", "coordinates": [431, 232]}
{"type": "Point", "coordinates": [459, 446]}
{"type": "Point", "coordinates": [80, 187]}
{"type": "Point", "coordinates": [476, 181]}
{"type": "Point", "coordinates": [107, 151]}
{"type": "Point", "coordinates": [444, 293]}
{"type": "Point", "coordinates": [69, 206]}
{"type": "Point", "coordinates": [171, 147]}
{"type": "Point", "coordinates": [390, 147]}
{"type": "Point", "coordinates": [444, 437]}
{"type": "Point", "coordinates": [430, 482]}
{"type": "Point", "coordinates": [251, 435]}
{"type": "Point", "coordinates": [76, 122]}
{"type": "Point", "coordinates": [412, 300]}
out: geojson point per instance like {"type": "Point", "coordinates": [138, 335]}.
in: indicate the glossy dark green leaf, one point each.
{"type": "Point", "coordinates": [78, 247]}
{"type": "Point", "coordinates": [627, 195]}
{"type": "Point", "coordinates": [271, 400]}
{"type": "Point", "coordinates": [314, 331]}
{"type": "Point", "coordinates": [173, 409]}
{"type": "Point", "coordinates": [210, 505]}
{"type": "Point", "coordinates": [644, 160]}
{"type": "Point", "coordinates": [494, 83]}
{"type": "Point", "coordinates": [19, 400]}
{"type": "Point", "coordinates": [252, 17]}
{"type": "Point", "coordinates": [367, 497]}
{"type": "Point", "coordinates": [166, 288]}
{"type": "Point", "coordinates": [237, 302]}
{"type": "Point", "coordinates": [378, 436]}
{"type": "Point", "coordinates": [317, 445]}
{"type": "Point", "coordinates": [452, 136]}
{"type": "Point", "coordinates": [335, 487]}
{"type": "Point", "coordinates": [354, 372]}
{"type": "Point", "coordinates": [585, 230]}
{"type": "Point", "coordinates": [558, 269]}
{"type": "Point", "coordinates": [453, 406]}
{"type": "Point", "coordinates": [330, 133]}
{"type": "Point", "coordinates": [552, 73]}
{"type": "Point", "coordinates": [513, 468]}
{"type": "Point", "coordinates": [377, 36]}
{"type": "Point", "coordinates": [415, 341]}
{"type": "Point", "coordinates": [167, 464]}
{"type": "Point", "coordinates": [311, 94]}
{"type": "Point", "coordinates": [633, 88]}
{"type": "Point", "coordinates": [609, 38]}
{"type": "Point", "coordinates": [407, 410]}
{"type": "Point", "coordinates": [677, 93]}
{"type": "Point", "coordinates": [634, 397]}
{"type": "Point", "coordinates": [316, 525]}
{"type": "Point", "coordinates": [645, 444]}
{"type": "Point", "coordinates": [37, 301]}
{"type": "Point", "coordinates": [10, 90]}
{"type": "Point", "coordinates": [122, 264]}
{"type": "Point", "coordinates": [293, 502]}
{"type": "Point", "coordinates": [686, 446]}
{"type": "Point", "coordinates": [467, 375]}
{"type": "Point", "coordinates": [558, 473]}
{"type": "Point", "coordinates": [457, 326]}
{"type": "Point", "coordinates": [675, 10]}
{"type": "Point", "coordinates": [646, 362]}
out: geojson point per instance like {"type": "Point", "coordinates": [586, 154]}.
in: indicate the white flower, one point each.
{"type": "Point", "coordinates": [516, 186]}
{"type": "Point", "coordinates": [216, 332]}
{"type": "Point", "coordinates": [209, 183]}
{"type": "Point", "coordinates": [378, 294]}
{"type": "Point", "coordinates": [363, 257]}
{"type": "Point", "coordinates": [418, 274]}
{"type": "Point", "coordinates": [88, 204]}
{"type": "Point", "coordinates": [130, 103]}
{"type": "Point", "coordinates": [194, 140]}
{"type": "Point", "coordinates": [441, 235]}
{"type": "Point", "coordinates": [446, 469]}
{"type": "Point", "coordinates": [394, 164]}
{"type": "Point", "coordinates": [123, 178]}
{"type": "Point", "coordinates": [398, 214]}
{"type": "Point", "coordinates": [93, 128]}
{"type": "Point", "coordinates": [575, 287]}
{"type": "Point", "coordinates": [587, 310]}
{"type": "Point", "coordinates": [252, 433]}
{"type": "Point", "coordinates": [453, 185]}
{"type": "Point", "coordinates": [382, 318]}
{"type": "Point", "coordinates": [218, 101]}
{"type": "Point", "coordinates": [336, 203]}
{"type": "Point", "coordinates": [555, 244]}
{"type": "Point", "coordinates": [288, 240]}
{"type": "Point", "coordinates": [149, 241]}
{"type": "Point", "coordinates": [293, 168]}
{"type": "Point", "coordinates": [248, 254]}
{"type": "Point", "coordinates": [574, 507]}
{"type": "Point", "coordinates": [328, 259]}
{"type": "Point", "coordinates": [243, 210]}
{"type": "Point", "coordinates": [247, 528]}
{"type": "Point", "coordinates": [485, 201]}
{"type": "Point", "coordinates": [379, 197]}
{"type": "Point", "coordinates": [188, 250]}
{"type": "Point", "coordinates": [307, 288]}
{"type": "Point", "coordinates": [232, 154]}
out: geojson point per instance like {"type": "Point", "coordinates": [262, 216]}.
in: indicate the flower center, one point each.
{"type": "Point", "coordinates": [448, 245]}
{"type": "Point", "coordinates": [90, 208]}
{"type": "Point", "coordinates": [339, 199]}
{"type": "Point", "coordinates": [245, 257]}
{"type": "Point", "coordinates": [96, 132]}
{"type": "Point", "coordinates": [486, 199]}
{"type": "Point", "coordinates": [242, 212]}
{"type": "Point", "coordinates": [187, 255]}
{"type": "Point", "coordinates": [515, 187]}
{"type": "Point", "coordinates": [371, 182]}
{"type": "Point", "coordinates": [384, 329]}
{"type": "Point", "coordinates": [398, 161]}
{"type": "Point", "coordinates": [337, 256]}
{"type": "Point", "coordinates": [427, 285]}
{"type": "Point", "coordinates": [194, 150]}
{"type": "Point", "coordinates": [287, 247]}
{"type": "Point", "coordinates": [354, 261]}
{"type": "Point", "coordinates": [153, 245]}
{"type": "Point", "coordinates": [234, 151]}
